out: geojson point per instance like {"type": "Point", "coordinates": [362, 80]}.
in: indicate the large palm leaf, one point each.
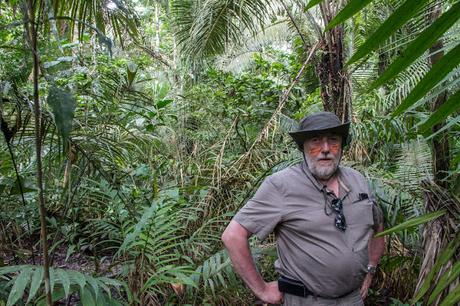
{"type": "Point", "coordinates": [204, 28]}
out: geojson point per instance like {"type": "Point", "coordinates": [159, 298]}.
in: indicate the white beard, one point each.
{"type": "Point", "coordinates": [322, 172]}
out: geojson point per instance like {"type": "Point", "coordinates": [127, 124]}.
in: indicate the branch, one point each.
{"type": "Point", "coordinates": [156, 55]}
{"type": "Point", "coordinates": [295, 24]}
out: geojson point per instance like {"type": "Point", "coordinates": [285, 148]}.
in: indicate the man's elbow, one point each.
{"type": "Point", "coordinates": [226, 236]}
{"type": "Point", "coordinates": [233, 234]}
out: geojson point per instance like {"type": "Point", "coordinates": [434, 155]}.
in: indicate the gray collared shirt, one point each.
{"type": "Point", "coordinates": [293, 204]}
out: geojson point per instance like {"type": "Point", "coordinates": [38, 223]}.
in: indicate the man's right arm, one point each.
{"type": "Point", "coordinates": [235, 238]}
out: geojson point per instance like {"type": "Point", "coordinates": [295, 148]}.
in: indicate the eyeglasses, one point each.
{"type": "Point", "coordinates": [337, 206]}
{"type": "Point", "coordinates": [339, 222]}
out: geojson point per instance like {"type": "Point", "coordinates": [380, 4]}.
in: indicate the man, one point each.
{"type": "Point", "coordinates": [323, 217]}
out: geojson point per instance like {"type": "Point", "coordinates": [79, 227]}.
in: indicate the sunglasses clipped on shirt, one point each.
{"type": "Point", "coordinates": [340, 222]}
{"type": "Point", "coordinates": [337, 206]}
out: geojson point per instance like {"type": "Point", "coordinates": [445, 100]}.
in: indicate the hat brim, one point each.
{"type": "Point", "coordinates": [342, 130]}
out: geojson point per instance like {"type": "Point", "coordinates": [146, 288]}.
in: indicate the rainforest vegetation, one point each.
{"type": "Point", "coordinates": [133, 130]}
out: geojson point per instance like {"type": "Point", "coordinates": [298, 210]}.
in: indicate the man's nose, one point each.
{"type": "Point", "coordinates": [325, 146]}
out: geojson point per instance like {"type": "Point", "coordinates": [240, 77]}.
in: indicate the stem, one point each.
{"type": "Point", "coordinates": [23, 199]}
{"type": "Point", "coordinates": [38, 149]}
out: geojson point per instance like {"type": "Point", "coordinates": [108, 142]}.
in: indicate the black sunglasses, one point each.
{"type": "Point", "coordinates": [340, 222]}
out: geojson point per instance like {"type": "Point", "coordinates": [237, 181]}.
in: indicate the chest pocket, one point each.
{"type": "Point", "coordinates": [360, 221]}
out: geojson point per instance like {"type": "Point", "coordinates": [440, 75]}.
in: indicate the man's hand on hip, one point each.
{"type": "Point", "coordinates": [271, 293]}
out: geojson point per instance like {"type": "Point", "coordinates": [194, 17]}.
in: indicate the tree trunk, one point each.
{"type": "Point", "coordinates": [32, 37]}
{"type": "Point", "coordinates": [438, 233]}
{"type": "Point", "coordinates": [440, 143]}
{"type": "Point", "coordinates": [157, 26]}
{"type": "Point", "coordinates": [333, 78]}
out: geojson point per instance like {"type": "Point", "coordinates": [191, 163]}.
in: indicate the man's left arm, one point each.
{"type": "Point", "coordinates": [376, 248]}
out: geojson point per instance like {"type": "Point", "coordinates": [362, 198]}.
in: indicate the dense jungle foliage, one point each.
{"type": "Point", "coordinates": [133, 130]}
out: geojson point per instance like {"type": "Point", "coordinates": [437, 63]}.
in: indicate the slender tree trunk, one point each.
{"type": "Point", "coordinates": [440, 143]}
{"type": "Point", "coordinates": [333, 77]}
{"type": "Point", "coordinates": [157, 26]}
{"type": "Point", "coordinates": [438, 233]}
{"type": "Point", "coordinates": [38, 148]}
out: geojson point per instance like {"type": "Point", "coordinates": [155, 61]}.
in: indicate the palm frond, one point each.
{"type": "Point", "coordinates": [205, 28]}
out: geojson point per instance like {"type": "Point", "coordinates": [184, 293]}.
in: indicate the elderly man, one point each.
{"type": "Point", "coordinates": [323, 217]}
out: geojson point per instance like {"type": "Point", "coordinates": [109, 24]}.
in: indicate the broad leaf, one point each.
{"type": "Point", "coordinates": [164, 102]}
{"type": "Point", "coordinates": [35, 283]}
{"type": "Point", "coordinates": [79, 278]}
{"type": "Point", "coordinates": [12, 269]}
{"type": "Point", "coordinates": [446, 64]}
{"type": "Point", "coordinates": [423, 41]}
{"type": "Point", "coordinates": [86, 296]}
{"type": "Point", "coordinates": [312, 3]}
{"type": "Point", "coordinates": [412, 223]}
{"type": "Point", "coordinates": [348, 11]}
{"type": "Point", "coordinates": [94, 284]}
{"type": "Point", "coordinates": [393, 23]}
{"type": "Point", "coordinates": [63, 105]}
{"type": "Point", "coordinates": [65, 280]}
{"type": "Point", "coordinates": [19, 286]}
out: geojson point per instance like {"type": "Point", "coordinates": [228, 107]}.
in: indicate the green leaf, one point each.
{"type": "Point", "coordinates": [131, 71]}
{"type": "Point", "coordinates": [69, 252]}
{"type": "Point", "coordinates": [65, 281]}
{"type": "Point", "coordinates": [448, 277]}
{"type": "Point", "coordinates": [35, 283]}
{"type": "Point", "coordinates": [27, 186]}
{"type": "Point", "coordinates": [19, 286]}
{"type": "Point", "coordinates": [417, 47]}
{"type": "Point", "coordinates": [63, 105]}
{"type": "Point", "coordinates": [52, 278]}
{"type": "Point", "coordinates": [412, 222]}
{"type": "Point", "coordinates": [444, 257]}
{"type": "Point", "coordinates": [12, 269]}
{"type": "Point", "coordinates": [94, 283]}
{"type": "Point", "coordinates": [446, 64]}
{"type": "Point", "coordinates": [393, 23]}
{"type": "Point", "coordinates": [143, 222]}
{"type": "Point", "coordinates": [86, 297]}
{"type": "Point", "coordinates": [312, 3]}
{"type": "Point", "coordinates": [163, 103]}
{"type": "Point", "coordinates": [449, 107]}
{"type": "Point", "coordinates": [348, 11]}
{"type": "Point", "coordinates": [55, 296]}
{"type": "Point", "coordinates": [100, 22]}
{"type": "Point", "coordinates": [78, 277]}
{"type": "Point", "coordinates": [452, 298]}
{"type": "Point", "coordinates": [448, 125]}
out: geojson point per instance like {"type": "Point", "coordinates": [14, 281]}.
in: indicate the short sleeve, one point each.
{"type": "Point", "coordinates": [263, 212]}
{"type": "Point", "coordinates": [377, 213]}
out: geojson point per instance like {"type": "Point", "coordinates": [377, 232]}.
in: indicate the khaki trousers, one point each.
{"type": "Point", "coordinates": [352, 299]}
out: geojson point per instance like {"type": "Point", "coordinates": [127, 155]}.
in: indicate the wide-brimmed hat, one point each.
{"type": "Point", "coordinates": [320, 123]}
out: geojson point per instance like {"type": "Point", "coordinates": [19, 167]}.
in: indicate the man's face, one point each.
{"type": "Point", "coordinates": [323, 154]}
